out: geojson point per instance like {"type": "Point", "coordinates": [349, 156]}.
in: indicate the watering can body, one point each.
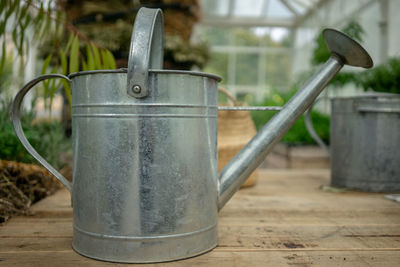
{"type": "Point", "coordinates": [145, 179]}
{"type": "Point", "coordinates": [145, 182]}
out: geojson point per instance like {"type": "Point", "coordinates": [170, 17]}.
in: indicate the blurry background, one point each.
{"type": "Point", "coordinates": [263, 49]}
{"type": "Point", "coordinates": [263, 45]}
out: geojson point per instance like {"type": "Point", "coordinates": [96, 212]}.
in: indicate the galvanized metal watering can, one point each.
{"type": "Point", "coordinates": [145, 183]}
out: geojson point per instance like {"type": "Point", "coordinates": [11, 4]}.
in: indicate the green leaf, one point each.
{"type": "Point", "coordinates": [38, 21]}
{"type": "Point", "coordinates": [26, 23]}
{"type": "Point", "coordinates": [3, 27]}
{"type": "Point", "coordinates": [69, 43]}
{"type": "Point", "coordinates": [104, 59]}
{"type": "Point", "coordinates": [21, 42]}
{"type": "Point", "coordinates": [111, 59]}
{"type": "Point", "coordinates": [45, 92]}
{"type": "Point", "coordinates": [46, 63]}
{"type": "Point", "coordinates": [3, 57]}
{"type": "Point", "coordinates": [108, 59]}
{"type": "Point", "coordinates": [58, 19]}
{"type": "Point", "coordinates": [40, 14]}
{"type": "Point", "coordinates": [3, 6]}
{"type": "Point", "coordinates": [90, 58]}
{"type": "Point", "coordinates": [12, 7]}
{"type": "Point", "coordinates": [46, 27]}
{"type": "Point", "coordinates": [23, 11]}
{"type": "Point", "coordinates": [96, 56]}
{"type": "Point", "coordinates": [74, 56]}
{"type": "Point", "coordinates": [52, 91]}
{"type": "Point", "coordinates": [15, 38]}
{"type": "Point", "coordinates": [67, 89]}
{"type": "Point", "coordinates": [38, 27]}
{"type": "Point", "coordinates": [63, 59]}
{"type": "Point", "coordinates": [84, 65]}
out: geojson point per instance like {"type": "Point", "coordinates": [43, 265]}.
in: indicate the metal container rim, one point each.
{"type": "Point", "coordinates": [125, 70]}
{"type": "Point", "coordinates": [365, 96]}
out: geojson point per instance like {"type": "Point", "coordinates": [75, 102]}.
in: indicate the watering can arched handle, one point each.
{"type": "Point", "coordinates": [146, 50]}
{"type": "Point", "coordinates": [15, 117]}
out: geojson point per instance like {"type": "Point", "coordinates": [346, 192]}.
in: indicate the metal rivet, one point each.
{"type": "Point", "coordinates": [136, 89]}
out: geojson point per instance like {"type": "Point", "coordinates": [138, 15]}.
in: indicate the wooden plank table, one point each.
{"type": "Point", "coordinates": [286, 219]}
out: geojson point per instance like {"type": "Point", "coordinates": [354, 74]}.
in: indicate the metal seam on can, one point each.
{"type": "Point", "coordinates": [378, 110]}
{"type": "Point", "coordinates": [105, 115]}
{"type": "Point", "coordinates": [142, 105]}
{"type": "Point", "coordinates": [145, 238]}
{"type": "Point", "coordinates": [250, 108]}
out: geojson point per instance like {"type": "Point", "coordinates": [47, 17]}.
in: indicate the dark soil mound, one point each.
{"type": "Point", "coordinates": [21, 185]}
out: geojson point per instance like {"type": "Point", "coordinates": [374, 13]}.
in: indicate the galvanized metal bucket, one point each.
{"type": "Point", "coordinates": [365, 142]}
{"type": "Point", "coordinates": [145, 185]}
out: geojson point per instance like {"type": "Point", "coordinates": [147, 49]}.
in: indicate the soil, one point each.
{"type": "Point", "coordinates": [23, 184]}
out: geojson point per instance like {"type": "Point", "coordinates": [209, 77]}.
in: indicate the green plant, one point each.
{"type": "Point", "coordinates": [47, 137]}
{"type": "Point", "coordinates": [6, 77]}
{"type": "Point", "coordinates": [48, 23]}
{"type": "Point", "coordinates": [184, 54]}
{"type": "Point", "coordinates": [383, 78]}
{"type": "Point", "coordinates": [298, 133]}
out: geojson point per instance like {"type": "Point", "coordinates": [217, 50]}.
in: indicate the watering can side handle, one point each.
{"type": "Point", "coordinates": [15, 117]}
{"type": "Point", "coordinates": [146, 50]}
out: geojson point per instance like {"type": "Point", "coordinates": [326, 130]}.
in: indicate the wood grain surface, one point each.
{"type": "Point", "coordinates": [285, 220]}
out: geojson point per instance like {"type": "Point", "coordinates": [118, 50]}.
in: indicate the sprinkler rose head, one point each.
{"type": "Point", "coordinates": [349, 51]}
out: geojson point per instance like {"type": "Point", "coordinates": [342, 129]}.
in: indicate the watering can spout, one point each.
{"type": "Point", "coordinates": [343, 50]}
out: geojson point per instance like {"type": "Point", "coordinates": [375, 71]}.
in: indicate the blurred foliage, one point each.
{"type": "Point", "coordinates": [218, 64]}
{"type": "Point", "coordinates": [24, 23]}
{"type": "Point", "coordinates": [109, 24]}
{"type": "Point", "coordinates": [47, 137]}
{"type": "Point", "coordinates": [106, 23]}
{"type": "Point", "coordinates": [17, 18]}
{"type": "Point", "coordinates": [382, 78]}
{"type": "Point", "coordinates": [298, 133]}
{"type": "Point", "coordinates": [184, 54]}
{"type": "Point", "coordinates": [6, 75]}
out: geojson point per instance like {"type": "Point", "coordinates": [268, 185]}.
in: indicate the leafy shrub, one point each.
{"type": "Point", "coordinates": [382, 78]}
{"type": "Point", "coordinates": [298, 133]}
{"type": "Point", "coordinates": [46, 137]}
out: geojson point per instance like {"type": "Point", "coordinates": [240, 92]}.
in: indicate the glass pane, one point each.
{"type": "Point", "coordinates": [246, 69]}
{"type": "Point", "coordinates": [249, 8]}
{"type": "Point", "coordinates": [246, 37]}
{"type": "Point", "coordinates": [261, 36]}
{"type": "Point", "coordinates": [215, 8]}
{"type": "Point", "coordinates": [218, 64]}
{"type": "Point", "coordinates": [278, 10]}
{"type": "Point", "coordinates": [298, 7]}
{"type": "Point", "coordinates": [217, 36]}
{"type": "Point", "coordinates": [281, 35]}
{"type": "Point", "coordinates": [278, 70]}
